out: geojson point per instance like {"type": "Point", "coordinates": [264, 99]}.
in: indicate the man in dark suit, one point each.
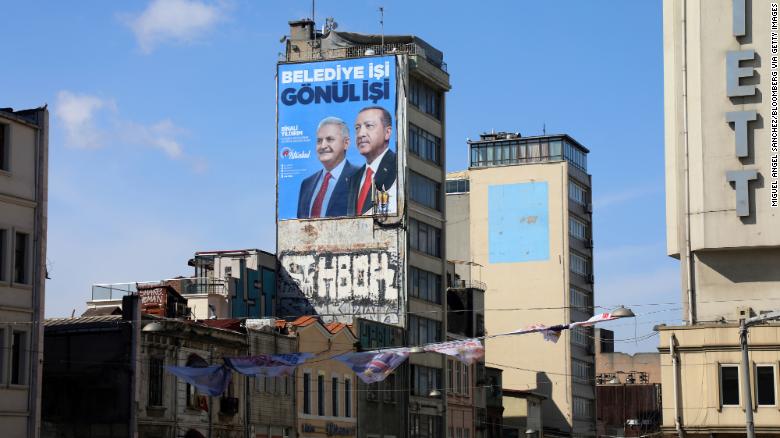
{"type": "Point", "coordinates": [326, 192]}
{"type": "Point", "coordinates": [373, 128]}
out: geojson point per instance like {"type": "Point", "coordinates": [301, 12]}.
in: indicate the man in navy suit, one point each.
{"type": "Point", "coordinates": [373, 129]}
{"type": "Point", "coordinates": [326, 192]}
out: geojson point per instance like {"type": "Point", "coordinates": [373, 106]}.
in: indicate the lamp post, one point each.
{"type": "Point", "coordinates": [744, 324]}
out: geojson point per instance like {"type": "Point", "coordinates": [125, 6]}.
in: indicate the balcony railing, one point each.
{"type": "Point", "coordinates": [360, 50]}
{"type": "Point", "coordinates": [185, 286]}
{"type": "Point", "coordinates": [468, 284]}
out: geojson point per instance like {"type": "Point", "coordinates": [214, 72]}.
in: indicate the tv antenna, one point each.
{"type": "Point", "coordinates": [330, 24]}
{"type": "Point", "coordinates": [544, 129]}
{"type": "Point", "coordinates": [382, 26]}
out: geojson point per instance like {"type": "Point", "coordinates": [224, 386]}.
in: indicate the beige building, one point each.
{"type": "Point", "coordinates": [720, 99]}
{"type": "Point", "coordinates": [519, 220]}
{"type": "Point", "coordinates": [24, 139]}
{"type": "Point", "coordinates": [325, 388]}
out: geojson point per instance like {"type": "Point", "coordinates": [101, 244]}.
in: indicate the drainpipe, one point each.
{"type": "Point", "coordinates": [689, 272]}
{"type": "Point", "coordinates": [676, 385]}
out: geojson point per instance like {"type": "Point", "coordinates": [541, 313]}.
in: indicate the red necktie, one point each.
{"type": "Point", "coordinates": [364, 190]}
{"type": "Point", "coordinates": [316, 209]}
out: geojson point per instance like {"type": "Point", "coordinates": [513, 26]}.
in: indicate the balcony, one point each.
{"type": "Point", "coordinates": [185, 286]}
{"type": "Point", "coordinates": [468, 284]}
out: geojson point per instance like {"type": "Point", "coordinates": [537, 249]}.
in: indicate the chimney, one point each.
{"type": "Point", "coordinates": [301, 30]}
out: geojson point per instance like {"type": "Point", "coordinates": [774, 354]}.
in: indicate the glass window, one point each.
{"type": "Point", "coordinates": [18, 358]}
{"type": "Point", "coordinates": [580, 299]}
{"type": "Point", "coordinates": [577, 193]}
{"type": "Point", "coordinates": [423, 330]}
{"type": "Point", "coordinates": [425, 98]}
{"type": "Point", "coordinates": [581, 336]}
{"type": "Point", "coordinates": [425, 191]}
{"type": "Point", "coordinates": [582, 371]}
{"type": "Point", "coordinates": [555, 149]}
{"type": "Point", "coordinates": [4, 147]}
{"type": "Point", "coordinates": [729, 385]}
{"type": "Point", "coordinates": [424, 238]}
{"type": "Point", "coordinates": [425, 285]}
{"type": "Point", "coordinates": [334, 392]}
{"type": "Point", "coordinates": [579, 264]}
{"type": "Point", "coordinates": [457, 186]}
{"type": "Point", "coordinates": [424, 380]}
{"type": "Point", "coordinates": [578, 229]}
{"type": "Point", "coordinates": [155, 381]}
{"type": "Point", "coordinates": [583, 408]}
{"type": "Point", "coordinates": [21, 258]}
{"type": "Point", "coordinates": [320, 395]}
{"type": "Point", "coordinates": [3, 257]}
{"type": "Point", "coordinates": [307, 393]}
{"type": "Point", "coordinates": [765, 385]}
{"type": "Point", "coordinates": [347, 397]}
{"type": "Point", "coordinates": [424, 144]}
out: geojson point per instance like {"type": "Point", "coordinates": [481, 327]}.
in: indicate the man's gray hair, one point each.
{"type": "Point", "coordinates": [335, 121]}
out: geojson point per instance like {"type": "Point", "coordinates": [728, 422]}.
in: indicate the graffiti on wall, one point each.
{"type": "Point", "coordinates": [340, 286]}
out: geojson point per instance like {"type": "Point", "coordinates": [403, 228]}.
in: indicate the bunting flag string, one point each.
{"type": "Point", "coordinates": [375, 366]}
{"type": "Point", "coordinates": [212, 380]}
{"type": "Point", "coordinates": [370, 366]}
{"type": "Point", "coordinates": [467, 351]}
{"type": "Point", "coordinates": [271, 365]}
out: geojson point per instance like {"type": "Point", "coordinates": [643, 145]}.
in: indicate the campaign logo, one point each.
{"type": "Point", "coordinates": [295, 155]}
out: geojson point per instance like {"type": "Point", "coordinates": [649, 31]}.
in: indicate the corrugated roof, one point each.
{"type": "Point", "coordinates": [305, 321]}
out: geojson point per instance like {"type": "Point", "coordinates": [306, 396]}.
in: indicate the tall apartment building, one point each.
{"type": "Point", "coordinates": [722, 216]}
{"type": "Point", "coordinates": [519, 219]}
{"type": "Point", "coordinates": [24, 142]}
{"type": "Point", "coordinates": [372, 246]}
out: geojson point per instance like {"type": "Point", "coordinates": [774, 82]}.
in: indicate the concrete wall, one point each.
{"type": "Point", "coordinates": [649, 363]}
{"type": "Point", "coordinates": [272, 409]}
{"type": "Point", "coordinates": [545, 280]}
{"type": "Point", "coordinates": [23, 208]}
{"type": "Point", "coordinates": [702, 350]}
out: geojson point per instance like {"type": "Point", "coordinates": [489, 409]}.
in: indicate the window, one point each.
{"type": "Point", "coordinates": [321, 395]}
{"type": "Point", "coordinates": [581, 370]}
{"type": "Point", "coordinates": [425, 285]}
{"type": "Point", "coordinates": [579, 264]}
{"type": "Point", "coordinates": [334, 391]}
{"type": "Point", "coordinates": [424, 330]}
{"type": "Point", "coordinates": [286, 385]}
{"type": "Point", "coordinates": [583, 408]}
{"type": "Point", "coordinates": [424, 380]}
{"type": "Point", "coordinates": [576, 156]}
{"type": "Point", "coordinates": [18, 358]}
{"type": "Point", "coordinates": [458, 382]}
{"type": "Point", "coordinates": [451, 377]}
{"type": "Point", "coordinates": [578, 229]}
{"type": "Point", "coordinates": [424, 144]}
{"type": "Point", "coordinates": [729, 385]}
{"type": "Point", "coordinates": [21, 256]}
{"type": "Point", "coordinates": [4, 146]}
{"type": "Point", "coordinates": [458, 186]}
{"type": "Point", "coordinates": [425, 98]}
{"type": "Point", "coordinates": [425, 426]}
{"type": "Point", "coordinates": [577, 193]}
{"type": "Point", "coordinates": [425, 191]}
{"type": "Point", "coordinates": [2, 355]}
{"type": "Point", "coordinates": [3, 246]}
{"type": "Point", "coordinates": [765, 385]}
{"type": "Point", "coordinates": [155, 381]}
{"type": "Point", "coordinates": [466, 379]}
{"type": "Point", "coordinates": [306, 393]}
{"type": "Point", "coordinates": [580, 299]}
{"type": "Point", "coordinates": [347, 397]}
{"type": "Point", "coordinates": [424, 238]}
{"type": "Point", "coordinates": [581, 336]}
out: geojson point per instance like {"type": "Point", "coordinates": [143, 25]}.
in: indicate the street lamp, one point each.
{"type": "Point", "coordinates": [622, 312]}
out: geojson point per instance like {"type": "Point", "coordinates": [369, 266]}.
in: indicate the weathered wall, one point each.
{"type": "Point", "coordinates": [340, 269]}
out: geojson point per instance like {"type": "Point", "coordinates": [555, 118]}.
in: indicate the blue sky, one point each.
{"type": "Point", "coordinates": [162, 124]}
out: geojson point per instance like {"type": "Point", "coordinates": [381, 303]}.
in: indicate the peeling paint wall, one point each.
{"type": "Point", "coordinates": [340, 269]}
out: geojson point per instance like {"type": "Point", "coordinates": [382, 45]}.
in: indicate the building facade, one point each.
{"type": "Point", "coordinates": [721, 149]}
{"type": "Point", "coordinates": [337, 257]}
{"type": "Point", "coordinates": [325, 390]}
{"type": "Point", "coordinates": [24, 140]}
{"type": "Point", "coordinates": [523, 211]}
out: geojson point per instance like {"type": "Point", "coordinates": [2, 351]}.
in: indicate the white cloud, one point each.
{"type": "Point", "coordinates": [92, 122]}
{"type": "Point", "coordinates": [77, 113]}
{"type": "Point", "coordinates": [180, 21]}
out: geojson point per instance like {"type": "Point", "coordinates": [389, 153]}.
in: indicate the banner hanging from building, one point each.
{"type": "Point", "coordinates": [337, 136]}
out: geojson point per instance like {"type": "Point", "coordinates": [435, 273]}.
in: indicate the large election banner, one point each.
{"type": "Point", "coordinates": [337, 138]}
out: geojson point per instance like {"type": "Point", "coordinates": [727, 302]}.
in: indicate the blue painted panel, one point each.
{"type": "Point", "coordinates": [518, 223]}
{"type": "Point", "coordinates": [269, 290]}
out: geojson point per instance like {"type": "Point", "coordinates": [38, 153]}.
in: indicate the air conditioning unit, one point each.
{"type": "Point", "coordinates": [589, 243]}
{"type": "Point", "coordinates": [591, 279]}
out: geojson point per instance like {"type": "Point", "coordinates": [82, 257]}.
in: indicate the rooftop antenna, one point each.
{"type": "Point", "coordinates": [544, 129]}
{"type": "Point", "coordinates": [382, 25]}
{"type": "Point", "coordinates": [312, 10]}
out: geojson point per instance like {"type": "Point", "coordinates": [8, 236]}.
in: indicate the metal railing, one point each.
{"type": "Point", "coordinates": [185, 286]}
{"type": "Point", "coordinates": [361, 50]}
{"type": "Point", "coordinates": [468, 284]}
